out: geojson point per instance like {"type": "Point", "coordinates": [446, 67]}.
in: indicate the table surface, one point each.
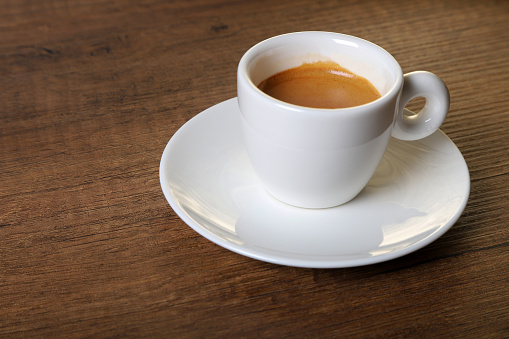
{"type": "Point", "coordinates": [92, 91]}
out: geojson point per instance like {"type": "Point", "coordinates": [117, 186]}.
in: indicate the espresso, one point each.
{"type": "Point", "coordinates": [321, 84]}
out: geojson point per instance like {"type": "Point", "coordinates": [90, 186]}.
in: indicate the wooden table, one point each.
{"type": "Point", "coordinates": [91, 92]}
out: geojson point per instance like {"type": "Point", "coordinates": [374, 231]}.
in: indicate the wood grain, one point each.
{"type": "Point", "coordinates": [91, 92]}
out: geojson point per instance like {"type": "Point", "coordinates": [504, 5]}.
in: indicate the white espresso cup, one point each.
{"type": "Point", "coordinates": [315, 157]}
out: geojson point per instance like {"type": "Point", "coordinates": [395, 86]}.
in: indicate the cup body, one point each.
{"type": "Point", "coordinates": [312, 157]}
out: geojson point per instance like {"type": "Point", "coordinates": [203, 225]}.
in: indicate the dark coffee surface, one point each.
{"type": "Point", "coordinates": [321, 84]}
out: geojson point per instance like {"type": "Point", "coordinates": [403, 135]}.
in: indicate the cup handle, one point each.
{"type": "Point", "coordinates": [414, 126]}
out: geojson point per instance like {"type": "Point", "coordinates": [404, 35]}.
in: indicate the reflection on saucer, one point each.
{"type": "Point", "coordinates": [346, 231]}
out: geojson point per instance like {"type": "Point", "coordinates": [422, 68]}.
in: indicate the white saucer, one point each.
{"type": "Point", "coordinates": [417, 193]}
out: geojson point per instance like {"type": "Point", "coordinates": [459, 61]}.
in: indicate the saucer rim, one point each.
{"type": "Point", "coordinates": [262, 254]}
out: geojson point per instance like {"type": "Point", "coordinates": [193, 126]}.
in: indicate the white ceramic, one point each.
{"type": "Point", "coordinates": [316, 158]}
{"type": "Point", "coordinates": [417, 193]}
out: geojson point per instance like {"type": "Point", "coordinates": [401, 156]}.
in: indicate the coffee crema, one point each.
{"type": "Point", "coordinates": [321, 84]}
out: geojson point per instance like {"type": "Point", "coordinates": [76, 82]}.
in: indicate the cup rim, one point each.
{"type": "Point", "coordinates": [255, 50]}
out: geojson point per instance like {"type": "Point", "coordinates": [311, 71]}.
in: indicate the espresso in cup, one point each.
{"type": "Point", "coordinates": [317, 153]}
{"type": "Point", "coordinates": [320, 84]}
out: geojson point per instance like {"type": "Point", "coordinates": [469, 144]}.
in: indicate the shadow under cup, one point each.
{"type": "Point", "coordinates": [312, 157]}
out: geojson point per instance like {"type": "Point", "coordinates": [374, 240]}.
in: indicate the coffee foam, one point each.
{"type": "Point", "coordinates": [286, 57]}
{"type": "Point", "coordinates": [320, 84]}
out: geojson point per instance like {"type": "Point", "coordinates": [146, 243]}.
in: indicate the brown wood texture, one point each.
{"type": "Point", "coordinates": [90, 93]}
